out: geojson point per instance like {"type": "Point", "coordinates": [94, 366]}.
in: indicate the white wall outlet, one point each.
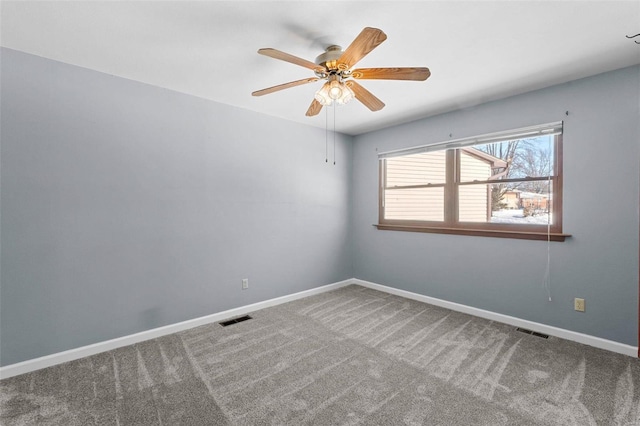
{"type": "Point", "coordinates": [245, 283]}
{"type": "Point", "coordinates": [578, 304]}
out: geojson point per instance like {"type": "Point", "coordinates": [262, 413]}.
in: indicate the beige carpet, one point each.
{"type": "Point", "coordinates": [353, 356]}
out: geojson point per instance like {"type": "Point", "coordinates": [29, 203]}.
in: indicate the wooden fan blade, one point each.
{"type": "Point", "coordinates": [367, 40]}
{"type": "Point", "coordinates": [284, 86]}
{"type": "Point", "coordinates": [418, 74]}
{"type": "Point", "coordinates": [365, 96]}
{"type": "Point", "coordinates": [314, 108]}
{"type": "Point", "coordinates": [277, 54]}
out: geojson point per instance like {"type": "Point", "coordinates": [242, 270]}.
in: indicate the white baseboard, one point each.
{"type": "Point", "coordinates": [73, 354]}
{"type": "Point", "coordinates": [77, 353]}
{"type": "Point", "coordinates": [585, 339]}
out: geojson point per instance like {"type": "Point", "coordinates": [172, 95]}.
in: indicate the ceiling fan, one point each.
{"type": "Point", "coordinates": [334, 66]}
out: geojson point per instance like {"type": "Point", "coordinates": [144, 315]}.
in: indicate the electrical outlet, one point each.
{"type": "Point", "coordinates": [245, 283]}
{"type": "Point", "coordinates": [578, 304]}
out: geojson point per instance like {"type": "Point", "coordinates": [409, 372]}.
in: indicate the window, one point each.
{"type": "Point", "coordinates": [506, 184]}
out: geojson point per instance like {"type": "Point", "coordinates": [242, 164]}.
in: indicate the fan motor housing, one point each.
{"type": "Point", "coordinates": [329, 57]}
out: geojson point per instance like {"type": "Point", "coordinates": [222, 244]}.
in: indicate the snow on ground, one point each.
{"type": "Point", "coordinates": [516, 216]}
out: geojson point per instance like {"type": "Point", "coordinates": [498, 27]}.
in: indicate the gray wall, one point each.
{"type": "Point", "coordinates": [126, 207]}
{"type": "Point", "coordinates": [600, 261]}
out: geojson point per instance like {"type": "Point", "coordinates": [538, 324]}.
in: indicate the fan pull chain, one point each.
{"type": "Point", "coordinates": [326, 135]}
{"type": "Point", "coordinates": [334, 133]}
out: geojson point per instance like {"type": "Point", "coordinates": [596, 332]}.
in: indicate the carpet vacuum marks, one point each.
{"type": "Point", "coordinates": [353, 356]}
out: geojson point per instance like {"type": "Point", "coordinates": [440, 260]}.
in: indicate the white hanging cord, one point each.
{"type": "Point", "coordinates": [326, 135]}
{"type": "Point", "coordinates": [334, 133]}
{"type": "Point", "coordinates": [547, 275]}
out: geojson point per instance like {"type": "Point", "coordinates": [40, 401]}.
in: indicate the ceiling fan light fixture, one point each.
{"type": "Point", "coordinates": [323, 96]}
{"type": "Point", "coordinates": [334, 90]}
{"type": "Point", "coordinates": [346, 94]}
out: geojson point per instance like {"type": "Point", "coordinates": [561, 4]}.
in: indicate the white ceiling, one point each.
{"type": "Point", "coordinates": [477, 50]}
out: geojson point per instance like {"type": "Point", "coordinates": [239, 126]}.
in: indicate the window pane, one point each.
{"type": "Point", "coordinates": [502, 203]}
{"type": "Point", "coordinates": [477, 165]}
{"type": "Point", "coordinates": [416, 169]}
{"type": "Point", "coordinates": [474, 202]}
{"type": "Point", "coordinates": [532, 157]}
{"type": "Point", "coordinates": [521, 207]}
{"type": "Point", "coordinates": [414, 204]}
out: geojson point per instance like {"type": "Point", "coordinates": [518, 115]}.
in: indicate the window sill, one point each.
{"type": "Point", "coordinates": [522, 235]}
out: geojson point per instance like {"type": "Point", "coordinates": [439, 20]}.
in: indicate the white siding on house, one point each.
{"type": "Point", "coordinates": [473, 204]}
{"type": "Point", "coordinates": [415, 203]}
{"type": "Point", "coordinates": [473, 168]}
{"type": "Point", "coordinates": [473, 200]}
{"type": "Point", "coordinates": [416, 169]}
{"type": "Point", "coordinates": [428, 203]}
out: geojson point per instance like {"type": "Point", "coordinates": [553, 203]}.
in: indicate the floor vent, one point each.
{"type": "Point", "coordinates": [235, 320]}
{"type": "Point", "coordinates": [533, 333]}
{"type": "Point", "coordinates": [544, 336]}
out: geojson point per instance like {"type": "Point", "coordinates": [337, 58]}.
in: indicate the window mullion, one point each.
{"type": "Point", "coordinates": [451, 188]}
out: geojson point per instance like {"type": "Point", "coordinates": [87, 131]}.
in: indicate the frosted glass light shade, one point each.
{"type": "Point", "coordinates": [347, 94]}
{"type": "Point", "coordinates": [334, 90]}
{"type": "Point", "coordinates": [323, 96]}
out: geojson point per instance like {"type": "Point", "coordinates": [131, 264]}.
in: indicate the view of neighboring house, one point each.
{"type": "Point", "coordinates": [516, 199]}
{"type": "Point", "coordinates": [475, 200]}
{"type": "Point", "coordinates": [411, 195]}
